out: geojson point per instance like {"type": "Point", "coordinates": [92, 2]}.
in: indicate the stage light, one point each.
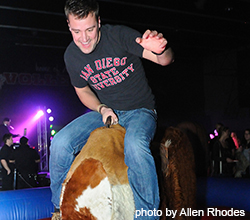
{"type": "Point", "coordinates": [39, 114]}
{"type": "Point", "coordinates": [53, 132]}
{"type": "Point", "coordinates": [49, 110]}
{"type": "Point", "coordinates": [51, 118]}
{"type": "Point", "coordinates": [51, 126]}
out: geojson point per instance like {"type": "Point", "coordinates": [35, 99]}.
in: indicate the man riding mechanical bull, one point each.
{"type": "Point", "coordinates": [103, 62]}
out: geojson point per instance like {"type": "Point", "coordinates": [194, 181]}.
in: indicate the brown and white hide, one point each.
{"type": "Point", "coordinates": [198, 137]}
{"type": "Point", "coordinates": [178, 169]}
{"type": "Point", "coordinates": [96, 186]}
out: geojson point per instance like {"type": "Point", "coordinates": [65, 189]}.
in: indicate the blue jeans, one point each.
{"type": "Point", "coordinates": [140, 127]}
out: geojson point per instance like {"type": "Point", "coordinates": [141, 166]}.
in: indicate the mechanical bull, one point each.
{"type": "Point", "coordinates": [97, 186]}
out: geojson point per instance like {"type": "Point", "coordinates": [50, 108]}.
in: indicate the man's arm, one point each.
{"type": "Point", "coordinates": [5, 165]}
{"type": "Point", "coordinates": [89, 99]}
{"type": "Point", "coordinates": [156, 48]}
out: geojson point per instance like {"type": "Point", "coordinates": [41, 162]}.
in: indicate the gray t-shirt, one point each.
{"type": "Point", "coordinates": [113, 70]}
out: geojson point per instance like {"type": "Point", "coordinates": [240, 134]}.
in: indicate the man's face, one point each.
{"type": "Point", "coordinates": [7, 123]}
{"type": "Point", "coordinates": [85, 32]}
{"type": "Point", "coordinates": [9, 142]}
{"type": "Point", "coordinates": [247, 135]}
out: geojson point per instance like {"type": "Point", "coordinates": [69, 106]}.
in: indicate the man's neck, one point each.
{"type": "Point", "coordinates": [8, 144]}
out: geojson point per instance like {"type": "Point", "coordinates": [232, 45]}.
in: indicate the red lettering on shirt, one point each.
{"type": "Point", "coordinates": [88, 69]}
{"type": "Point", "coordinates": [109, 62]}
{"type": "Point", "coordinates": [118, 79]}
{"type": "Point", "coordinates": [98, 77]}
{"type": "Point", "coordinates": [112, 81]}
{"type": "Point", "coordinates": [117, 62]}
{"type": "Point", "coordinates": [125, 72]}
{"type": "Point", "coordinates": [114, 71]}
{"type": "Point", "coordinates": [123, 78]}
{"type": "Point", "coordinates": [98, 65]}
{"type": "Point", "coordinates": [96, 87]}
{"type": "Point", "coordinates": [100, 84]}
{"type": "Point", "coordinates": [84, 75]}
{"type": "Point", "coordinates": [103, 76]}
{"type": "Point", "coordinates": [123, 61]}
{"type": "Point", "coordinates": [93, 79]}
{"type": "Point", "coordinates": [108, 73]}
{"type": "Point", "coordinates": [103, 63]}
{"type": "Point", "coordinates": [106, 83]}
{"type": "Point", "coordinates": [131, 67]}
{"type": "Point", "coordinates": [111, 76]}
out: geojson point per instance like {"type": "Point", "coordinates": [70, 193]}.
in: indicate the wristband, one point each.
{"type": "Point", "coordinates": [99, 108]}
{"type": "Point", "coordinates": [159, 53]}
{"type": "Point", "coordinates": [167, 46]}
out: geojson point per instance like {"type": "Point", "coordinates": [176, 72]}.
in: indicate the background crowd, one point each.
{"type": "Point", "coordinates": [229, 155]}
{"type": "Point", "coordinates": [19, 162]}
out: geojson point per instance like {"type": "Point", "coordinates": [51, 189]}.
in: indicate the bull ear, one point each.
{"type": "Point", "coordinates": [167, 143]}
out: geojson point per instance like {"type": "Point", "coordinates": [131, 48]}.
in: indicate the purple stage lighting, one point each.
{"type": "Point", "coordinates": [27, 127]}
{"type": "Point", "coordinates": [39, 114]}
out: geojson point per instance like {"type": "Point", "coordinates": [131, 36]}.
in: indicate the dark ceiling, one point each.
{"type": "Point", "coordinates": [196, 28]}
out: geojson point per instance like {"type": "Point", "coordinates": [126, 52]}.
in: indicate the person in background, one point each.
{"type": "Point", "coordinates": [213, 138]}
{"type": "Point", "coordinates": [7, 170]}
{"type": "Point", "coordinates": [4, 129]}
{"type": "Point", "coordinates": [245, 143]}
{"type": "Point", "coordinates": [105, 68]}
{"type": "Point", "coordinates": [26, 162]}
{"type": "Point", "coordinates": [223, 158]}
{"type": "Point", "coordinates": [242, 165]}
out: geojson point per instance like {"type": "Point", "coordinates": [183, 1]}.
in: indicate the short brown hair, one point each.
{"type": "Point", "coordinates": [81, 8]}
{"type": "Point", "coordinates": [6, 137]}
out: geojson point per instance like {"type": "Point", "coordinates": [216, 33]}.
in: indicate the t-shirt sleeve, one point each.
{"type": "Point", "coordinates": [70, 59]}
{"type": "Point", "coordinates": [127, 36]}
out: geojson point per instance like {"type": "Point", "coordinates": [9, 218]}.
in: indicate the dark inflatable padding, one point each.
{"type": "Point", "coordinates": [26, 204]}
{"type": "Point", "coordinates": [228, 192]}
